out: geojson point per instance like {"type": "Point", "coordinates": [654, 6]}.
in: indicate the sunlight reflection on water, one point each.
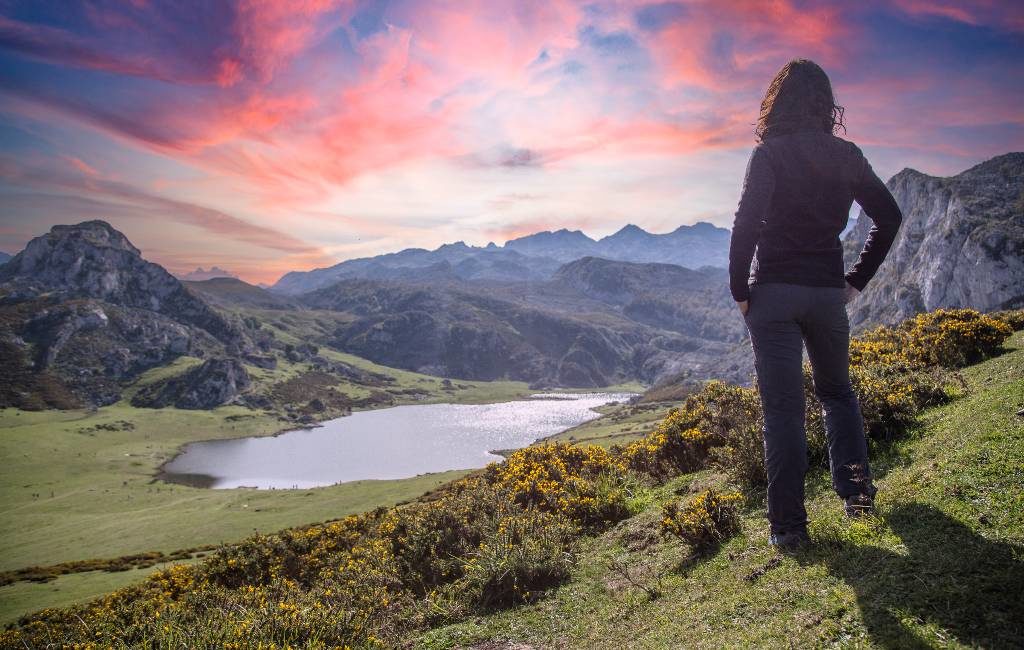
{"type": "Point", "coordinates": [389, 443]}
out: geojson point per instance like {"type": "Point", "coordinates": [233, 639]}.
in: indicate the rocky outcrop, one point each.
{"type": "Point", "coordinates": [96, 347]}
{"type": "Point", "coordinates": [961, 244]}
{"type": "Point", "coordinates": [213, 383]}
{"type": "Point", "coordinates": [93, 260]}
{"type": "Point", "coordinates": [82, 307]}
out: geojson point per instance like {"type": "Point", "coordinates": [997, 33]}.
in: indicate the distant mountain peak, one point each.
{"type": "Point", "coordinates": [560, 234]}
{"type": "Point", "coordinates": [201, 274]}
{"type": "Point", "coordinates": [630, 229]}
{"type": "Point", "coordinates": [704, 226]}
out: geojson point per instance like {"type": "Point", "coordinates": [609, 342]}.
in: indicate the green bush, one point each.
{"type": "Point", "coordinates": [428, 540]}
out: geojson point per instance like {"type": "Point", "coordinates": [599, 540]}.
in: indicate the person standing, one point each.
{"type": "Point", "coordinates": [801, 181]}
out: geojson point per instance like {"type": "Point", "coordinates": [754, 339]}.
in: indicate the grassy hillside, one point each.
{"type": "Point", "coordinates": [78, 485]}
{"type": "Point", "coordinates": [562, 546]}
{"type": "Point", "coordinates": [941, 566]}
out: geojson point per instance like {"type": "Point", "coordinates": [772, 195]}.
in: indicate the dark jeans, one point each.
{"type": "Point", "coordinates": [783, 318]}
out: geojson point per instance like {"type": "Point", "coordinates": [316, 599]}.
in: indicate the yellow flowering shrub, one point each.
{"type": "Point", "coordinates": [581, 482]}
{"type": "Point", "coordinates": [708, 519]}
{"type": "Point", "coordinates": [892, 396]}
{"type": "Point", "coordinates": [681, 442]}
{"type": "Point", "coordinates": [529, 552]}
{"type": "Point", "coordinates": [297, 554]}
{"type": "Point", "coordinates": [950, 338]}
{"type": "Point", "coordinates": [1012, 317]}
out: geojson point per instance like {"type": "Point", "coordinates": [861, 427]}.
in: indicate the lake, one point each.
{"type": "Point", "coordinates": [389, 443]}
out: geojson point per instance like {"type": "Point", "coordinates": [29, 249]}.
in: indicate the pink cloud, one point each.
{"type": "Point", "coordinates": [1004, 15]}
{"type": "Point", "coordinates": [81, 166]}
{"type": "Point", "coordinates": [211, 220]}
{"type": "Point", "coordinates": [273, 32]}
{"type": "Point", "coordinates": [729, 44]}
{"type": "Point", "coordinates": [217, 47]}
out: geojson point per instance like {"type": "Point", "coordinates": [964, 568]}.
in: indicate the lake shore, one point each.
{"type": "Point", "coordinates": [81, 485]}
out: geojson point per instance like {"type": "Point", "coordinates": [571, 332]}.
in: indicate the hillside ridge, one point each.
{"type": "Point", "coordinates": [543, 550]}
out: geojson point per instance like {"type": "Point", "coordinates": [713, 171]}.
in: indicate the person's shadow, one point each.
{"type": "Point", "coordinates": [950, 577]}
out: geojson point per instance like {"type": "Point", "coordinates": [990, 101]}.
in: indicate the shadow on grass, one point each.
{"type": "Point", "coordinates": [950, 577]}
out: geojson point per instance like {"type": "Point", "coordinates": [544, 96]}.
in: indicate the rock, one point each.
{"type": "Point", "coordinates": [94, 260]}
{"type": "Point", "coordinates": [52, 328]}
{"type": "Point", "coordinates": [961, 244]}
{"type": "Point", "coordinates": [95, 315]}
{"type": "Point", "coordinates": [95, 347]}
{"type": "Point", "coordinates": [213, 383]}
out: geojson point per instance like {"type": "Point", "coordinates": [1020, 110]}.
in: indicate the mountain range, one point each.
{"type": "Point", "coordinates": [83, 315]}
{"type": "Point", "coordinates": [531, 258]}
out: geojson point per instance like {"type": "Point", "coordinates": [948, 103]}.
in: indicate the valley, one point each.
{"type": "Point", "coordinates": [111, 365]}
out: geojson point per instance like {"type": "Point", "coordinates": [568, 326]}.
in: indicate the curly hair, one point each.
{"type": "Point", "coordinates": [799, 99]}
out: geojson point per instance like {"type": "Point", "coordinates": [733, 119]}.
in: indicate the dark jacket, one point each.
{"type": "Point", "coordinates": [796, 199]}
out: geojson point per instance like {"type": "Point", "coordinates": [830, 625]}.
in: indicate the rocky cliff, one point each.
{"type": "Point", "coordinates": [93, 260]}
{"type": "Point", "coordinates": [961, 244]}
{"type": "Point", "coordinates": [82, 313]}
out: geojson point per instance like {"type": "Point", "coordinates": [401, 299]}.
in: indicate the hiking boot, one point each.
{"type": "Point", "coordinates": [790, 541]}
{"type": "Point", "coordinates": [858, 505]}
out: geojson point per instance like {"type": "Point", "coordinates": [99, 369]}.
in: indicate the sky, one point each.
{"type": "Point", "coordinates": [272, 135]}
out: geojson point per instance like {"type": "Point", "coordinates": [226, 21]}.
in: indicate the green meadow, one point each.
{"type": "Point", "coordinates": [80, 485]}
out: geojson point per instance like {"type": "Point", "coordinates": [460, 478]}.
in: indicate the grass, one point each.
{"type": "Point", "coordinates": [21, 597]}
{"type": "Point", "coordinates": [619, 424]}
{"type": "Point", "coordinates": [79, 485]}
{"type": "Point", "coordinates": [940, 566]}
